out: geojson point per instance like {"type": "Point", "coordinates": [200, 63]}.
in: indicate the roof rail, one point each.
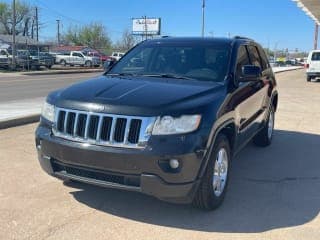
{"type": "Point", "coordinates": [240, 37]}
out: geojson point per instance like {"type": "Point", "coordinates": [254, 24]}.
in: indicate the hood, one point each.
{"type": "Point", "coordinates": [150, 94]}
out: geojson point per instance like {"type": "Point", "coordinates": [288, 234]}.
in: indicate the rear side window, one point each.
{"type": "Point", "coordinates": [264, 60]}
{"type": "Point", "coordinates": [242, 60]}
{"type": "Point", "coordinates": [315, 56]}
{"type": "Point", "coordinates": [254, 56]}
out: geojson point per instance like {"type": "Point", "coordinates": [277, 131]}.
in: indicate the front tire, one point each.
{"type": "Point", "coordinates": [214, 183]}
{"type": "Point", "coordinates": [264, 137]}
{"type": "Point", "coordinates": [88, 64]}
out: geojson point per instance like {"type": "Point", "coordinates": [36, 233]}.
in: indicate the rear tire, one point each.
{"type": "Point", "coordinates": [213, 186]}
{"type": "Point", "coordinates": [63, 62]}
{"type": "Point", "coordinates": [264, 137]}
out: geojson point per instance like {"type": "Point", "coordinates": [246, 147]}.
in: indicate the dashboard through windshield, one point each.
{"type": "Point", "coordinates": [190, 61]}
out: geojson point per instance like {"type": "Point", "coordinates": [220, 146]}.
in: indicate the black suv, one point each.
{"type": "Point", "coordinates": [165, 120]}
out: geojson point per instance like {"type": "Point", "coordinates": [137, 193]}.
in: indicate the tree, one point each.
{"type": "Point", "coordinates": [93, 35]}
{"type": "Point", "coordinates": [24, 16]}
{"type": "Point", "coordinates": [269, 52]}
{"type": "Point", "coordinates": [127, 41]}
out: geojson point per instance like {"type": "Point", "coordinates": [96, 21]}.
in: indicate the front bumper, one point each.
{"type": "Point", "coordinates": [139, 170]}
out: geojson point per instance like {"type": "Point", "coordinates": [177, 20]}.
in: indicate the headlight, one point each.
{"type": "Point", "coordinates": [168, 125]}
{"type": "Point", "coordinates": [48, 112]}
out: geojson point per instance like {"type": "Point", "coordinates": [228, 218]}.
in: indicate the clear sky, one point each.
{"type": "Point", "coordinates": [273, 23]}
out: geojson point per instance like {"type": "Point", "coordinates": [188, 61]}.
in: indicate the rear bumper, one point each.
{"type": "Point", "coordinates": [133, 170]}
{"type": "Point", "coordinates": [313, 74]}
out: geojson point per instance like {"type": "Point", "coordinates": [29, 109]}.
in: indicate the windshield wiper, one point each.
{"type": "Point", "coordinates": [168, 75]}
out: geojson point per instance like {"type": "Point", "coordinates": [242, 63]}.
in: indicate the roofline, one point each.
{"type": "Point", "coordinates": [301, 5]}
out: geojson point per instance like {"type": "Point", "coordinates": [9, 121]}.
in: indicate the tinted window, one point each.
{"type": "Point", "coordinates": [242, 60]}
{"type": "Point", "coordinates": [254, 56]}
{"type": "Point", "coordinates": [192, 60]}
{"type": "Point", "coordinates": [264, 59]}
{"type": "Point", "coordinates": [315, 56]}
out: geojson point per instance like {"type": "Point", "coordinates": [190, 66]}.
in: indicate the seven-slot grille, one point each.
{"type": "Point", "coordinates": [98, 128]}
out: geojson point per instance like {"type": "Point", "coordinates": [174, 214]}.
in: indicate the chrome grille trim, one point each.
{"type": "Point", "coordinates": [142, 136]}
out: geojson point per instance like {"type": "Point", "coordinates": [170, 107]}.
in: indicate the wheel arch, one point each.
{"type": "Point", "coordinates": [228, 128]}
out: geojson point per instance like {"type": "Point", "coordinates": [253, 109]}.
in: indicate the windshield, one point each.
{"type": "Point", "coordinates": [191, 61]}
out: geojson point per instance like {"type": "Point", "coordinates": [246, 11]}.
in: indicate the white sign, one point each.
{"type": "Point", "coordinates": [150, 26]}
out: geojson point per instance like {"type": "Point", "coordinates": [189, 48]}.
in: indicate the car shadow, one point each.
{"type": "Point", "coordinates": [270, 188]}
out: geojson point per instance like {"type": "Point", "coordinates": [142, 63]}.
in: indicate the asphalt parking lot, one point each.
{"type": "Point", "coordinates": [273, 192]}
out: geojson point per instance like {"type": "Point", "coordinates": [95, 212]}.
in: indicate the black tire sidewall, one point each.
{"type": "Point", "coordinates": [221, 142]}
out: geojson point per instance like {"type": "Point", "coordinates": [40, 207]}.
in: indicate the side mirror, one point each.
{"type": "Point", "coordinates": [108, 64]}
{"type": "Point", "coordinates": [250, 73]}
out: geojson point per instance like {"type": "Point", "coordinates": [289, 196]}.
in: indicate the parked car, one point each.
{"type": "Point", "coordinates": [165, 120]}
{"type": "Point", "coordinates": [77, 58]}
{"type": "Point", "coordinates": [117, 55]}
{"type": "Point", "coordinates": [22, 59]}
{"type": "Point", "coordinates": [101, 56]}
{"type": "Point", "coordinates": [313, 65]}
{"type": "Point", "coordinates": [42, 59]}
{"type": "Point", "coordinates": [4, 58]}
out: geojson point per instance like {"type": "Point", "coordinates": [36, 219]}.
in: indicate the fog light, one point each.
{"type": "Point", "coordinates": [174, 163]}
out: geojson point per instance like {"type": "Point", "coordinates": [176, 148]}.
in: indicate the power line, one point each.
{"type": "Point", "coordinates": [57, 13]}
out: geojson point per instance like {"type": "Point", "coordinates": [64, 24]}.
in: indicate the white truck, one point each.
{"type": "Point", "coordinates": [77, 58]}
{"type": "Point", "coordinates": [313, 65]}
{"type": "Point", "coordinates": [117, 55]}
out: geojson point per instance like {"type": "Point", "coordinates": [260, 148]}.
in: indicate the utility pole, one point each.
{"type": "Point", "coordinates": [315, 43]}
{"type": "Point", "coordinates": [32, 28]}
{"type": "Point", "coordinates": [37, 24]}
{"type": "Point", "coordinates": [145, 27]}
{"type": "Point", "coordinates": [203, 6]}
{"type": "Point", "coordinates": [14, 35]}
{"type": "Point", "coordinates": [58, 31]}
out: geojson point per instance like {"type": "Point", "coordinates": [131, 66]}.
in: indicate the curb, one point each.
{"type": "Point", "coordinates": [287, 70]}
{"type": "Point", "coordinates": [63, 72]}
{"type": "Point", "coordinates": [14, 122]}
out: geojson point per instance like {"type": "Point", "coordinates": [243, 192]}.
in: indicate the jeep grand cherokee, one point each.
{"type": "Point", "coordinates": [165, 120]}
